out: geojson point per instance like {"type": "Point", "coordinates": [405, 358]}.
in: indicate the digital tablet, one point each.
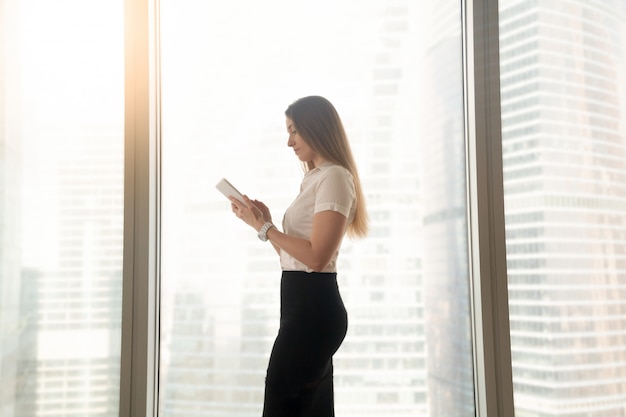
{"type": "Point", "coordinates": [229, 190]}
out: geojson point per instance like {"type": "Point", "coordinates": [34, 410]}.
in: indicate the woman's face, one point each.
{"type": "Point", "coordinates": [302, 149]}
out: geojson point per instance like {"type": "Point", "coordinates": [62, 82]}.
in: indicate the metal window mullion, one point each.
{"type": "Point", "coordinates": [490, 311]}
{"type": "Point", "coordinates": [140, 295]}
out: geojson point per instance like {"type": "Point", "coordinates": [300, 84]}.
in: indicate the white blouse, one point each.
{"type": "Point", "coordinates": [327, 187]}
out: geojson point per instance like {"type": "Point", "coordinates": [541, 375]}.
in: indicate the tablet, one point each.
{"type": "Point", "coordinates": [229, 190]}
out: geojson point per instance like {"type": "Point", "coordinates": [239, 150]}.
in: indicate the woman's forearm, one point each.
{"type": "Point", "coordinates": [301, 249]}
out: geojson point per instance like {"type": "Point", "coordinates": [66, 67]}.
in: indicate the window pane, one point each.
{"type": "Point", "coordinates": [563, 69]}
{"type": "Point", "coordinates": [61, 191]}
{"type": "Point", "coordinates": [393, 70]}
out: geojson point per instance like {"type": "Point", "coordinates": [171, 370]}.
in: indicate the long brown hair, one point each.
{"type": "Point", "coordinates": [318, 123]}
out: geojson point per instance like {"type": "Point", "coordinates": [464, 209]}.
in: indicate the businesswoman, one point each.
{"type": "Point", "coordinates": [313, 319]}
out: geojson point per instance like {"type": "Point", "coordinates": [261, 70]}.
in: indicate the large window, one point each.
{"type": "Point", "coordinates": [563, 69]}
{"type": "Point", "coordinates": [61, 205]}
{"type": "Point", "coordinates": [393, 70]}
{"type": "Point", "coordinates": [206, 85]}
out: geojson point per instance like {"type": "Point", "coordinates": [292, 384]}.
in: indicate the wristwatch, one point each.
{"type": "Point", "coordinates": [263, 232]}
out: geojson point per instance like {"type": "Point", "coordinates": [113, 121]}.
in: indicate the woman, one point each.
{"type": "Point", "coordinates": [313, 320]}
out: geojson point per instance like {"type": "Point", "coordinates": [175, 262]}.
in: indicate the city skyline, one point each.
{"type": "Point", "coordinates": [399, 90]}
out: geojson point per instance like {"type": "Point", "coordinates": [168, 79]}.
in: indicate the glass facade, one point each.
{"type": "Point", "coordinates": [229, 72]}
{"type": "Point", "coordinates": [444, 220]}
{"type": "Point", "coordinates": [61, 206]}
{"type": "Point", "coordinates": [563, 71]}
{"type": "Point", "coordinates": [394, 71]}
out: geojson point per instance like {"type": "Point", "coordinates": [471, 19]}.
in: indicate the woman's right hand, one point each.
{"type": "Point", "coordinates": [267, 216]}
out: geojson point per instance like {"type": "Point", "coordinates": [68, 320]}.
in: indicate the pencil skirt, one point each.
{"type": "Point", "coordinates": [313, 324]}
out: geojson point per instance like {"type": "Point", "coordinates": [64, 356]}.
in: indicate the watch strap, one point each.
{"type": "Point", "coordinates": [263, 232]}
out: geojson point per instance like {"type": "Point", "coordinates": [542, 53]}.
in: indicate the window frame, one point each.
{"type": "Point", "coordinates": [142, 216]}
{"type": "Point", "coordinates": [493, 385]}
{"type": "Point", "coordinates": [485, 198]}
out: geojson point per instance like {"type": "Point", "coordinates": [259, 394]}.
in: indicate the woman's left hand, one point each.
{"type": "Point", "coordinates": [248, 212]}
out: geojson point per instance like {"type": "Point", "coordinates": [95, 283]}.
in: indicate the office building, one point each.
{"type": "Point", "coordinates": [564, 149]}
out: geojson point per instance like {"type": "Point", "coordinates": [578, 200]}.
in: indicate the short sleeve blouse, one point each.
{"type": "Point", "coordinates": [327, 187]}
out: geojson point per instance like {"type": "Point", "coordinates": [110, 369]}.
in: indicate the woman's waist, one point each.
{"type": "Point", "coordinates": [302, 291]}
{"type": "Point", "coordinates": [289, 263]}
{"type": "Point", "coordinates": [309, 275]}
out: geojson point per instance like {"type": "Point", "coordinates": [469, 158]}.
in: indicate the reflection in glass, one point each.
{"type": "Point", "coordinates": [229, 72]}
{"type": "Point", "coordinates": [563, 71]}
{"type": "Point", "coordinates": [61, 207]}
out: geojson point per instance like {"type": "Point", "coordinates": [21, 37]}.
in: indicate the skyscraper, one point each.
{"type": "Point", "coordinates": [10, 217]}
{"type": "Point", "coordinates": [61, 208]}
{"type": "Point", "coordinates": [70, 309]}
{"type": "Point", "coordinates": [564, 150]}
{"type": "Point", "coordinates": [445, 252]}
{"type": "Point", "coordinates": [384, 356]}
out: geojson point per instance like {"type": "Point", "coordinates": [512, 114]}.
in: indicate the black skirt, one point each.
{"type": "Point", "coordinates": [313, 323]}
